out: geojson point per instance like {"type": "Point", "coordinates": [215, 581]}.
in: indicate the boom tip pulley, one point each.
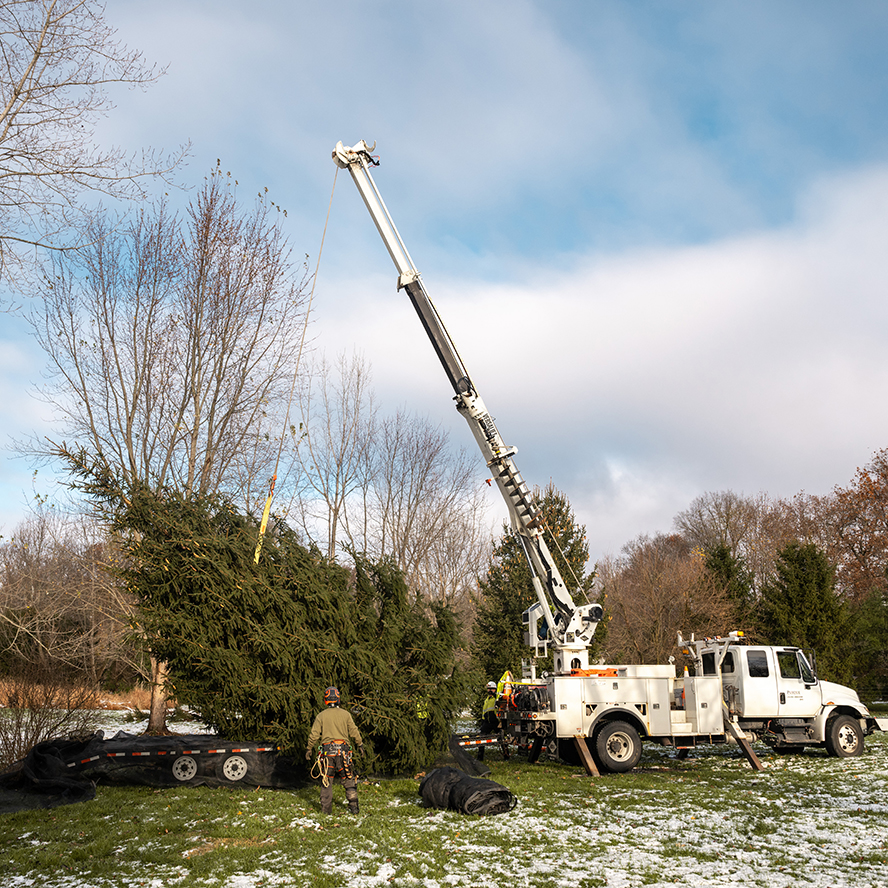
{"type": "Point", "coordinates": [345, 156]}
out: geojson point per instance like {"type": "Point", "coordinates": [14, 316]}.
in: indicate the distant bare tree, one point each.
{"type": "Point", "coordinates": [723, 518]}
{"type": "Point", "coordinates": [58, 60]}
{"type": "Point", "coordinates": [334, 451]}
{"type": "Point", "coordinates": [657, 588]}
{"type": "Point", "coordinates": [388, 486]}
{"type": "Point", "coordinates": [429, 509]}
{"type": "Point", "coordinates": [753, 528]}
{"type": "Point", "coordinates": [61, 612]}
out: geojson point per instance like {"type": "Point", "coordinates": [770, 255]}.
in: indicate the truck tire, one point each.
{"type": "Point", "coordinates": [844, 737]}
{"type": "Point", "coordinates": [618, 747]}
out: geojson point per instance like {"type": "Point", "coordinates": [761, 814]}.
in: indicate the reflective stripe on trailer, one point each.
{"type": "Point", "coordinates": [139, 754]}
{"type": "Point", "coordinates": [92, 758]}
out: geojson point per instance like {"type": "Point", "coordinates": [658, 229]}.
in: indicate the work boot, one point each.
{"type": "Point", "coordinates": [353, 807]}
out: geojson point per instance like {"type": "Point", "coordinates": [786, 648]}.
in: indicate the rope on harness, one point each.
{"type": "Point", "coordinates": [323, 772]}
{"type": "Point", "coordinates": [267, 510]}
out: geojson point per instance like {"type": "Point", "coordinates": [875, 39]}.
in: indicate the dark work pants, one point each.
{"type": "Point", "coordinates": [338, 765]}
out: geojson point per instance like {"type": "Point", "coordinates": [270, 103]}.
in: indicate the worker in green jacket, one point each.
{"type": "Point", "coordinates": [332, 730]}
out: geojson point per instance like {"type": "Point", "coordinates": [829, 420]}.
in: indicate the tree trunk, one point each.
{"type": "Point", "coordinates": [157, 714]}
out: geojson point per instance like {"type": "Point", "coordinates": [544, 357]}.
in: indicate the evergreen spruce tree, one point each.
{"type": "Point", "coordinates": [251, 647]}
{"type": "Point", "coordinates": [869, 629]}
{"type": "Point", "coordinates": [507, 589]}
{"type": "Point", "coordinates": [799, 606]}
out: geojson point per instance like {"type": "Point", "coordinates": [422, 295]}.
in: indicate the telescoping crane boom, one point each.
{"type": "Point", "coordinates": [570, 626]}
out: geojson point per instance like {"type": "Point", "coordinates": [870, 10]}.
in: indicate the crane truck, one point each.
{"type": "Point", "coordinates": [737, 692]}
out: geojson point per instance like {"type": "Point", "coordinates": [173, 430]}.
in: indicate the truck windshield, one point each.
{"type": "Point", "coordinates": [808, 675]}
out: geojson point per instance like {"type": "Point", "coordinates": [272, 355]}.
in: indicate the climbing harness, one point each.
{"type": "Point", "coordinates": [326, 767]}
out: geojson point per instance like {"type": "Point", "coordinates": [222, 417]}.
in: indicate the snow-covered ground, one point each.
{"type": "Point", "coordinates": [112, 720]}
{"type": "Point", "coordinates": [707, 822]}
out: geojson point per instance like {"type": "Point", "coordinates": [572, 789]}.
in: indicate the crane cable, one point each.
{"type": "Point", "coordinates": [569, 566]}
{"type": "Point", "coordinates": [267, 510]}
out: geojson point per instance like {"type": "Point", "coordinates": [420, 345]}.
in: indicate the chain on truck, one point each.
{"type": "Point", "coordinates": [601, 714]}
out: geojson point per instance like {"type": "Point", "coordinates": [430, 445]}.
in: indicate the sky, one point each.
{"type": "Point", "coordinates": [656, 231]}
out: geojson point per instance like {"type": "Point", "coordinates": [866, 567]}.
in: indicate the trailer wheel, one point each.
{"type": "Point", "coordinates": [184, 768]}
{"type": "Point", "coordinates": [234, 768]}
{"type": "Point", "coordinates": [844, 737]}
{"type": "Point", "coordinates": [618, 747]}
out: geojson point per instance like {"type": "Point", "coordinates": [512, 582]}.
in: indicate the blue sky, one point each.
{"type": "Point", "coordinates": [656, 230]}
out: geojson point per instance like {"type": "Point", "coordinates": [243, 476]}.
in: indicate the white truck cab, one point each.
{"type": "Point", "coordinates": [773, 694]}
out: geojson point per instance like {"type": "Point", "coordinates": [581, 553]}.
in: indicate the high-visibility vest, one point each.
{"type": "Point", "coordinates": [504, 688]}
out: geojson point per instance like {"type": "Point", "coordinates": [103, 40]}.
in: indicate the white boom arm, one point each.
{"type": "Point", "coordinates": [571, 628]}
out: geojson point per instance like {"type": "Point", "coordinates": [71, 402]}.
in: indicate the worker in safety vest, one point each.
{"type": "Point", "coordinates": [330, 734]}
{"type": "Point", "coordinates": [489, 718]}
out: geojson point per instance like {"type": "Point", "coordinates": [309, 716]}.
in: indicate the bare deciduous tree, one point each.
{"type": "Point", "coordinates": [334, 453]}
{"type": "Point", "coordinates": [722, 518]}
{"type": "Point", "coordinates": [389, 486]}
{"type": "Point", "coordinates": [657, 588]}
{"type": "Point", "coordinates": [61, 613]}
{"type": "Point", "coordinates": [172, 345]}
{"type": "Point", "coordinates": [58, 60]}
{"type": "Point", "coordinates": [428, 509]}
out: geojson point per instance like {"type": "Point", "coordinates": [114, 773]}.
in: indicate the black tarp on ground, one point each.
{"type": "Point", "coordinates": [449, 788]}
{"type": "Point", "coordinates": [60, 772]}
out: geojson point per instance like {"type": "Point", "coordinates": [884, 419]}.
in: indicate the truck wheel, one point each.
{"type": "Point", "coordinates": [618, 747]}
{"type": "Point", "coordinates": [844, 737]}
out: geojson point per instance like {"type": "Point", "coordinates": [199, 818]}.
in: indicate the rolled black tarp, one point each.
{"type": "Point", "coordinates": [452, 789]}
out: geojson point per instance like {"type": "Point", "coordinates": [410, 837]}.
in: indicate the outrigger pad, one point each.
{"type": "Point", "coordinates": [449, 788]}
{"type": "Point", "coordinates": [59, 772]}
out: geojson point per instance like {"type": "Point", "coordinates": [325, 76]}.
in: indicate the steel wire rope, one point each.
{"type": "Point", "coordinates": [267, 510]}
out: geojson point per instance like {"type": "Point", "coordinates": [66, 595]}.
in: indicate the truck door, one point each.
{"type": "Point", "coordinates": [759, 684]}
{"type": "Point", "coordinates": [797, 691]}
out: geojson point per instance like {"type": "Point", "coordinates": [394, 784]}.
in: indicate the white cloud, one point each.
{"type": "Point", "coordinates": [639, 381]}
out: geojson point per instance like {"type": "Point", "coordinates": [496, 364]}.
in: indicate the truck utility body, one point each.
{"type": "Point", "coordinates": [737, 692]}
{"type": "Point", "coordinates": [764, 693]}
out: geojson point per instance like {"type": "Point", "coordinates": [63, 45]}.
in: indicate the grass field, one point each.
{"type": "Point", "coordinates": [706, 821]}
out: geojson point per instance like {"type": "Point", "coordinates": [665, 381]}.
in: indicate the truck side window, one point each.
{"type": "Point", "coordinates": [789, 664]}
{"type": "Point", "coordinates": [758, 664]}
{"type": "Point", "coordinates": [709, 663]}
{"type": "Point", "coordinates": [728, 663]}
